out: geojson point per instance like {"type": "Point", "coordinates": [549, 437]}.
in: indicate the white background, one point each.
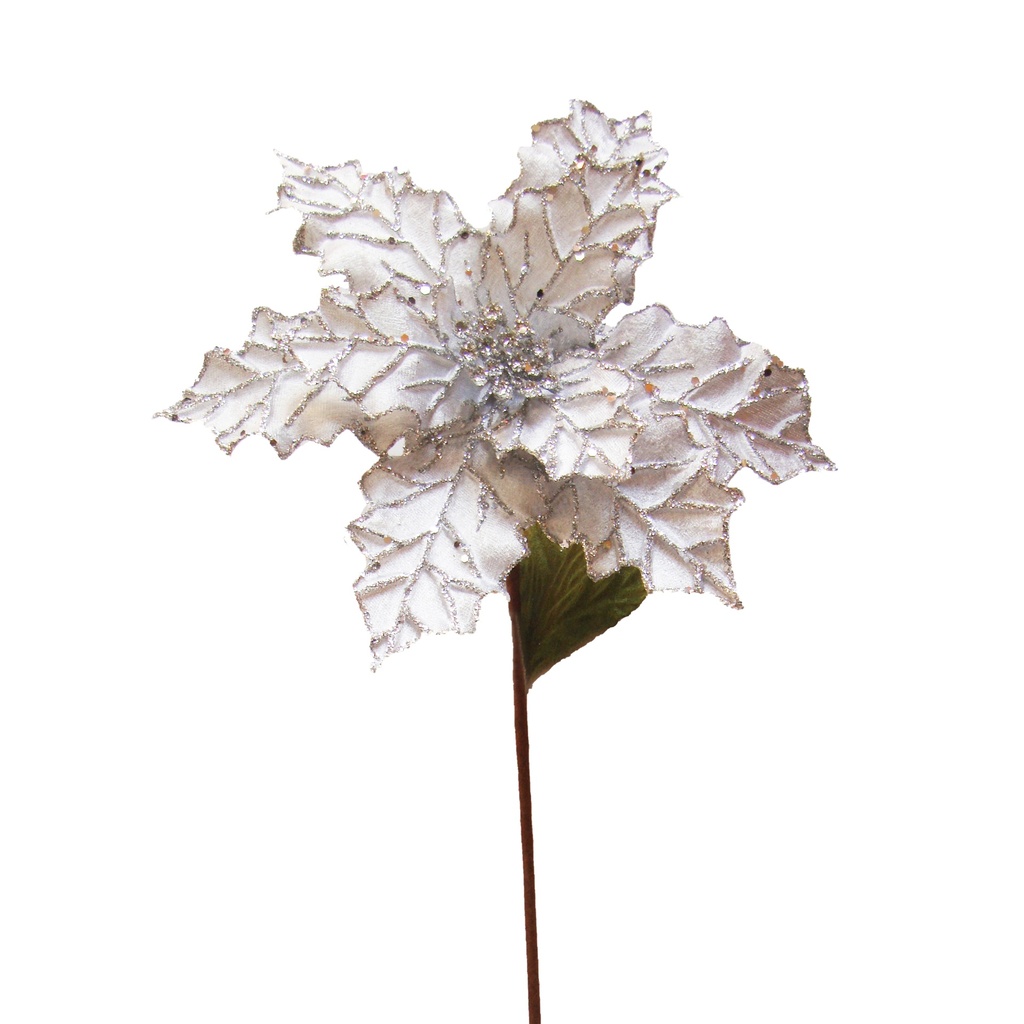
{"type": "Point", "coordinates": [807, 811]}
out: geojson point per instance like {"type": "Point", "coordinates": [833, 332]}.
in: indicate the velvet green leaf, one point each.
{"type": "Point", "coordinates": [561, 608]}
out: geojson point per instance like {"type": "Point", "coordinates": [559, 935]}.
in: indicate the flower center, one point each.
{"type": "Point", "coordinates": [507, 358]}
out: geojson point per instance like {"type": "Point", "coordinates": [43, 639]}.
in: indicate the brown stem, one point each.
{"type": "Point", "coordinates": [525, 805]}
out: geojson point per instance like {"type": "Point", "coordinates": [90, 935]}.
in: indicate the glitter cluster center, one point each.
{"type": "Point", "coordinates": [505, 357]}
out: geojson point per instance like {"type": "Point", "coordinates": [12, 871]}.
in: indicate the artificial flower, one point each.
{"type": "Point", "coordinates": [479, 367]}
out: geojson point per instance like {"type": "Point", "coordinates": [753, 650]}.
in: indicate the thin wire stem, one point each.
{"type": "Point", "coordinates": [525, 804]}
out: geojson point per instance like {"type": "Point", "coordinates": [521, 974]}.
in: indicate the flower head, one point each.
{"type": "Point", "coordinates": [479, 367]}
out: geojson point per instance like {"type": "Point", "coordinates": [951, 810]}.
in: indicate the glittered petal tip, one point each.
{"type": "Point", "coordinates": [282, 385]}
{"type": "Point", "coordinates": [588, 133]}
{"type": "Point", "coordinates": [375, 229]}
{"type": "Point", "coordinates": [759, 415]}
{"type": "Point", "coordinates": [442, 528]}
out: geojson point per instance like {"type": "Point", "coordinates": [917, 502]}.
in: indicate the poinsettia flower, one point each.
{"type": "Point", "coordinates": [478, 366]}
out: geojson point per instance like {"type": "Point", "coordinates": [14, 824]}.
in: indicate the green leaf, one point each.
{"type": "Point", "coordinates": [561, 608]}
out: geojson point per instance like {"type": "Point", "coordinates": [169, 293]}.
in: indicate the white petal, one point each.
{"type": "Point", "coordinates": [368, 227]}
{"type": "Point", "coordinates": [668, 517]}
{"type": "Point", "coordinates": [571, 230]}
{"type": "Point", "coordinates": [740, 403]}
{"type": "Point", "coordinates": [267, 389]}
{"type": "Point", "coordinates": [439, 534]}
